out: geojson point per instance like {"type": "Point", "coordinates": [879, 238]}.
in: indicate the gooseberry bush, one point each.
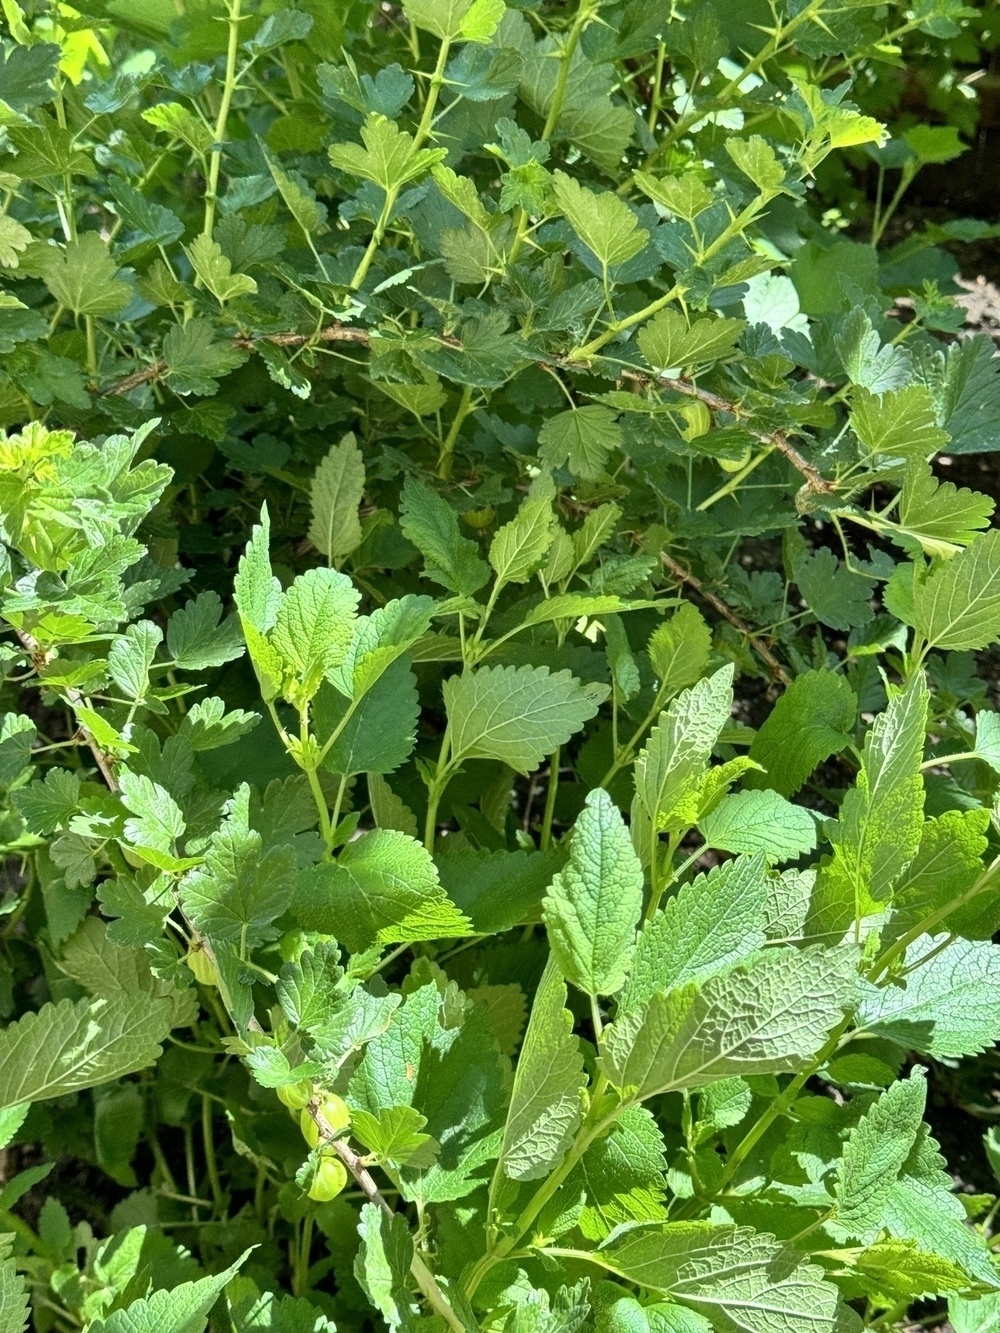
{"type": "Point", "coordinates": [498, 800]}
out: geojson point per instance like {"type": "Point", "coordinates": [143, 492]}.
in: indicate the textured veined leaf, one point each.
{"type": "Point", "coordinates": [768, 1016]}
{"type": "Point", "coordinates": [668, 342]}
{"type": "Point", "coordinates": [881, 817]}
{"type": "Point", "coordinates": [868, 364]}
{"type": "Point", "coordinates": [257, 592]}
{"type": "Point", "coordinates": [335, 495]}
{"type": "Point", "coordinates": [517, 714]}
{"type": "Point", "coordinates": [946, 1003]}
{"type": "Point", "coordinates": [605, 223]}
{"type": "Point", "coordinates": [899, 423]}
{"type": "Point", "coordinates": [383, 889]}
{"type": "Point", "coordinates": [383, 1263]}
{"type": "Point", "coordinates": [759, 821]}
{"type": "Point", "coordinates": [740, 1279]}
{"type": "Point", "coordinates": [715, 920]}
{"type": "Point", "coordinates": [594, 903]}
{"type": "Point", "coordinates": [679, 649]}
{"type": "Point", "coordinates": [182, 1309]}
{"type": "Point", "coordinates": [546, 1104]}
{"type": "Point", "coordinates": [430, 523]}
{"type": "Point", "coordinates": [13, 1292]}
{"type": "Point", "coordinates": [68, 1046]}
{"type": "Point", "coordinates": [198, 638]}
{"type": "Point", "coordinates": [874, 1154]}
{"type": "Point", "coordinates": [467, 20]}
{"type": "Point", "coordinates": [520, 546]}
{"type": "Point", "coordinates": [956, 603]}
{"type": "Point", "coordinates": [680, 746]}
{"type": "Point", "coordinates": [315, 625]}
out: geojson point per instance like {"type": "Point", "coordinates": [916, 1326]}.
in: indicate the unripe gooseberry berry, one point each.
{"type": "Point", "coordinates": [698, 418]}
{"type": "Point", "coordinates": [295, 1095]}
{"type": "Point", "coordinates": [329, 1180]}
{"type": "Point", "coordinates": [202, 966]}
{"type": "Point", "coordinates": [332, 1110]}
{"type": "Point", "coordinates": [736, 464]}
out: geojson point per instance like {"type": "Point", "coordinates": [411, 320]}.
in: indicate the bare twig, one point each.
{"type": "Point", "coordinates": [727, 613]}
{"type": "Point", "coordinates": [422, 1275]}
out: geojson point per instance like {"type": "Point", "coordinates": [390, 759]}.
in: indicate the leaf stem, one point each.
{"type": "Point", "coordinates": [550, 799]}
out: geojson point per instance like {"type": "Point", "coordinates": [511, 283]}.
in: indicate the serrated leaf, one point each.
{"type": "Point", "coordinates": [899, 423]}
{"type": "Point", "coordinates": [834, 593]}
{"type": "Point", "coordinates": [881, 817]}
{"type": "Point", "coordinates": [49, 803]}
{"type": "Point", "coordinates": [593, 905]}
{"type": "Point", "coordinates": [940, 515]}
{"type": "Point", "coordinates": [583, 438]}
{"type": "Point", "coordinates": [604, 222]}
{"type": "Point", "coordinates": [679, 649]}
{"type": "Point", "coordinates": [467, 20]}
{"type": "Point", "coordinates": [516, 714]}
{"type": "Point", "coordinates": [432, 526]}
{"type": "Point", "coordinates": [315, 626]}
{"type": "Point", "coordinates": [956, 603]}
{"type": "Point", "coordinates": [668, 342]}
{"type": "Point", "coordinates": [207, 725]}
{"type": "Point", "coordinates": [157, 821]}
{"type": "Point", "coordinates": [874, 1154]}
{"type": "Point", "coordinates": [715, 920]}
{"type": "Point", "coordinates": [867, 363]}
{"type": "Point", "coordinates": [383, 889]}
{"type": "Point", "coordinates": [546, 1103]}
{"type": "Point", "coordinates": [520, 546]}
{"type": "Point", "coordinates": [396, 1135]}
{"type": "Point", "coordinates": [216, 272]}
{"type": "Point", "coordinates": [131, 655]}
{"type": "Point", "coordinates": [812, 720]}
{"type": "Point", "coordinates": [740, 1279]}
{"type": "Point", "coordinates": [196, 360]}
{"type": "Point", "coordinates": [242, 886]}
{"type": "Point", "coordinates": [335, 495]}
{"type": "Point", "coordinates": [944, 1006]}
{"type": "Point", "coordinates": [759, 821]}
{"type": "Point", "coordinates": [67, 1046]}
{"type": "Point", "coordinates": [390, 157]}
{"type": "Point", "coordinates": [680, 746]}
{"type": "Point", "coordinates": [182, 1309]}
{"type": "Point", "coordinates": [382, 1264]}
{"type": "Point", "coordinates": [766, 1017]}
{"type": "Point", "coordinates": [82, 277]}
{"type": "Point", "coordinates": [199, 639]}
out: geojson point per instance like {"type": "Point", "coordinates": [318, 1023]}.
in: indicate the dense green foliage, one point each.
{"type": "Point", "coordinates": [498, 799]}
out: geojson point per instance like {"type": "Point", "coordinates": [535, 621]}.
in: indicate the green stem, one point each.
{"type": "Point", "coordinates": [778, 1107]}
{"type": "Point", "coordinates": [325, 827]}
{"type": "Point", "coordinates": [583, 16]}
{"type": "Point", "coordinates": [91, 328]}
{"type": "Point", "coordinates": [208, 1139]}
{"type": "Point", "coordinates": [228, 88]}
{"type": "Point", "coordinates": [550, 799]}
{"type": "Point", "coordinates": [300, 1280]}
{"type": "Point", "coordinates": [436, 84]}
{"type": "Point", "coordinates": [735, 481]}
{"type": "Point", "coordinates": [905, 181]}
{"type": "Point", "coordinates": [448, 447]}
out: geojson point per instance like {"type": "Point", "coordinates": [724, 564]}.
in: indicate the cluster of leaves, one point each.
{"type": "Point", "coordinates": [577, 488]}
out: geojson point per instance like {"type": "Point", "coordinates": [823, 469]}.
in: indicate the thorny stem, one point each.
{"type": "Point", "coordinates": [422, 1275]}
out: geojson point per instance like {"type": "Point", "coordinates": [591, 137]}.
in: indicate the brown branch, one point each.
{"type": "Point", "coordinates": [777, 439]}
{"type": "Point", "coordinates": [778, 672]}
{"type": "Point", "coordinates": [422, 1275]}
{"type": "Point", "coordinates": [346, 333]}
{"type": "Point", "coordinates": [72, 696]}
